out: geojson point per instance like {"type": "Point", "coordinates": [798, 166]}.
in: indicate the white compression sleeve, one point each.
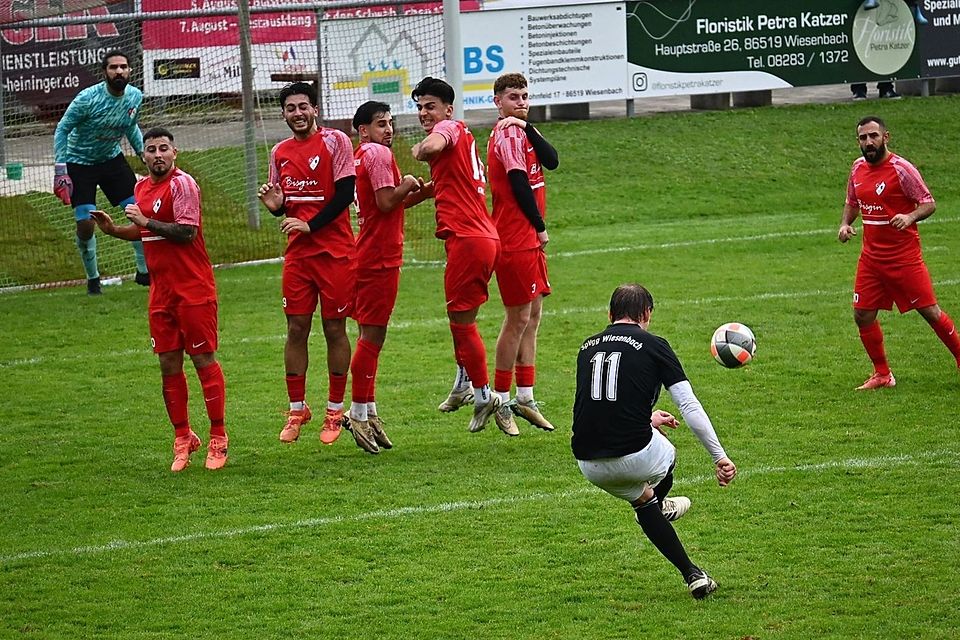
{"type": "Point", "coordinates": [696, 418]}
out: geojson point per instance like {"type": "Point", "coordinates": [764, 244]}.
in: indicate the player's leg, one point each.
{"type": "Point", "coordinates": [515, 319]}
{"type": "Point", "coordinates": [299, 302]}
{"type": "Point", "coordinates": [199, 326]}
{"type": "Point", "coordinates": [117, 182]}
{"type": "Point", "coordinates": [373, 305]}
{"type": "Point", "coordinates": [944, 327]}
{"type": "Point", "coordinates": [167, 343]}
{"type": "Point", "coordinates": [917, 293]}
{"type": "Point", "coordinates": [83, 200]}
{"type": "Point", "coordinates": [870, 295]}
{"type": "Point", "coordinates": [466, 278]}
{"type": "Point", "coordinates": [674, 507]}
{"type": "Point", "coordinates": [525, 405]}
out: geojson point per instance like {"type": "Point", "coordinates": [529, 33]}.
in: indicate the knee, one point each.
{"type": "Point", "coordinates": [298, 330]}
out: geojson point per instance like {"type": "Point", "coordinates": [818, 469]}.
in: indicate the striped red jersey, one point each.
{"type": "Point", "coordinates": [306, 171]}
{"type": "Point", "coordinates": [508, 149]}
{"type": "Point", "coordinates": [458, 184]}
{"type": "Point", "coordinates": [380, 241]}
{"type": "Point", "coordinates": [880, 192]}
{"type": "Point", "coordinates": [180, 273]}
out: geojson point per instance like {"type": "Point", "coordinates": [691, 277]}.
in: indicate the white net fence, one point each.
{"type": "Point", "coordinates": [196, 61]}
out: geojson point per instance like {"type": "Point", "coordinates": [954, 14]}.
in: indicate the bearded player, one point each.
{"type": "Point", "coordinates": [183, 293]}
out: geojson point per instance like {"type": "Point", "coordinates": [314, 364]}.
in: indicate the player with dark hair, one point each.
{"type": "Point", "coordinates": [310, 187]}
{"type": "Point", "coordinates": [470, 241]}
{"type": "Point", "coordinates": [890, 195]}
{"type": "Point", "coordinates": [382, 194]}
{"type": "Point", "coordinates": [87, 154]}
{"type": "Point", "coordinates": [516, 156]}
{"type": "Point", "coordinates": [183, 293]}
{"type": "Point", "coordinates": [618, 438]}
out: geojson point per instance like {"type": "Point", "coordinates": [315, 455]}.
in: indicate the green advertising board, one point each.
{"type": "Point", "coordinates": [690, 46]}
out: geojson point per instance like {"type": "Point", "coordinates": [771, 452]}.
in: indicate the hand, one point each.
{"type": "Point", "coordinates": [135, 216]}
{"type": "Point", "coordinates": [103, 220]}
{"type": "Point", "coordinates": [62, 184]}
{"type": "Point", "coordinates": [660, 419]}
{"type": "Point", "coordinates": [726, 471]}
{"type": "Point", "coordinates": [846, 232]}
{"type": "Point", "coordinates": [511, 121]}
{"type": "Point", "coordinates": [292, 225]}
{"type": "Point", "coordinates": [271, 195]}
{"type": "Point", "coordinates": [901, 221]}
{"type": "Point", "coordinates": [411, 183]}
{"type": "Point", "coordinates": [543, 237]}
{"type": "Point", "coordinates": [426, 188]}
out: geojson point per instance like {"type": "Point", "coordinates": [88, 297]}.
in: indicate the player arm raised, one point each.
{"type": "Point", "coordinates": [389, 197]}
{"type": "Point", "coordinates": [428, 148]}
{"type": "Point", "coordinates": [699, 422]}
{"type": "Point", "coordinates": [545, 151]}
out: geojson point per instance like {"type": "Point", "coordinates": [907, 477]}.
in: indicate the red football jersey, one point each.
{"type": "Point", "coordinates": [180, 274]}
{"type": "Point", "coordinates": [508, 149]}
{"type": "Point", "coordinates": [881, 192]}
{"type": "Point", "coordinates": [380, 241]}
{"type": "Point", "coordinates": [458, 185]}
{"type": "Point", "coordinates": [306, 171]}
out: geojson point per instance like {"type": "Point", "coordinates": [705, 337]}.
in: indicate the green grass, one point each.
{"type": "Point", "coordinates": [841, 525]}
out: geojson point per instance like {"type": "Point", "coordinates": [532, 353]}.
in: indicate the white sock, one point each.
{"type": "Point", "coordinates": [481, 395]}
{"type": "Point", "coordinates": [334, 406]}
{"type": "Point", "coordinates": [297, 406]}
{"type": "Point", "coordinates": [358, 411]}
{"type": "Point", "coordinates": [504, 396]}
{"type": "Point", "coordinates": [372, 408]}
{"type": "Point", "coordinates": [524, 394]}
{"type": "Point", "coordinates": [462, 381]}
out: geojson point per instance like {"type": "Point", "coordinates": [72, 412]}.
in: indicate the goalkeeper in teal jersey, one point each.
{"type": "Point", "coordinates": [87, 155]}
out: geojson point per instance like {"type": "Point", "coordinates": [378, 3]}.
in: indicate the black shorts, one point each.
{"type": "Point", "coordinates": [114, 177]}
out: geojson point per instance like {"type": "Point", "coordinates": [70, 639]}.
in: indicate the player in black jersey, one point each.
{"type": "Point", "coordinates": [618, 437]}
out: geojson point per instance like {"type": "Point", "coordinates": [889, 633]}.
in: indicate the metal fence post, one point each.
{"type": "Point", "coordinates": [249, 121]}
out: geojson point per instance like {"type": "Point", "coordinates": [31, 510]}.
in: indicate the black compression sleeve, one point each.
{"type": "Point", "coordinates": [279, 213]}
{"type": "Point", "coordinates": [342, 197]}
{"type": "Point", "coordinates": [546, 154]}
{"type": "Point", "coordinates": [520, 185]}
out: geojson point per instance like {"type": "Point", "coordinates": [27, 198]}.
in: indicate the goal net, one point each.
{"type": "Point", "coordinates": [187, 60]}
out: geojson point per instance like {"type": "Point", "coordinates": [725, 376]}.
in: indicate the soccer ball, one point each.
{"type": "Point", "coordinates": [733, 345]}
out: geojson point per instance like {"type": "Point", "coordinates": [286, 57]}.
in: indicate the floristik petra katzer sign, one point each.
{"type": "Point", "coordinates": [686, 46]}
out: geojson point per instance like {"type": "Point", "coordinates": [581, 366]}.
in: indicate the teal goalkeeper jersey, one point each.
{"type": "Point", "coordinates": [95, 122]}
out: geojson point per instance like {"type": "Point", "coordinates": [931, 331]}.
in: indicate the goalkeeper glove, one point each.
{"type": "Point", "coordinates": [62, 184]}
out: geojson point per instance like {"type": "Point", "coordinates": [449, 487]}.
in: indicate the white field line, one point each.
{"type": "Point", "coordinates": [442, 322]}
{"type": "Point", "coordinates": [880, 462]}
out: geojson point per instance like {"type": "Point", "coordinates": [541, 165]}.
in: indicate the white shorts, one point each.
{"type": "Point", "coordinates": [627, 477]}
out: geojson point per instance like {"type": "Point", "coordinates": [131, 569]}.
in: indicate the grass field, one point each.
{"type": "Point", "coordinates": [842, 523]}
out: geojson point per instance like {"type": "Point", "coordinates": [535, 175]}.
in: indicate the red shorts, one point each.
{"type": "Point", "coordinates": [376, 295]}
{"type": "Point", "coordinates": [522, 276]}
{"type": "Point", "coordinates": [879, 286]}
{"type": "Point", "coordinates": [192, 328]}
{"type": "Point", "coordinates": [470, 264]}
{"type": "Point", "coordinates": [331, 280]}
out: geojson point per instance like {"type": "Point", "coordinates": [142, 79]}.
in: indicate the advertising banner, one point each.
{"type": "Point", "coordinates": [940, 39]}
{"type": "Point", "coordinates": [690, 47]}
{"type": "Point", "coordinates": [45, 67]}
{"type": "Point", "coordinates": [568, 54]}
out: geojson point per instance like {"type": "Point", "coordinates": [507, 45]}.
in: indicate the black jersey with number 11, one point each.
{"type": "Point", "coordinates": [619, 376]}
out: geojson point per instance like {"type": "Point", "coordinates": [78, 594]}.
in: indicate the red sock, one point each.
{"type": "Point", "coordinates": [502, 380]}
{"type": "Point", "coordinates": [296, 387]}
{"type": "Point", "coordinates": [338, 387]}
{"type": "Point", "coordinates": [526, 375]}
{"type": "Point", "coordinates": [469, 346]}
{"type": "Point", "coordinates": [363, 369]}
{"type": "Point", "coordinates": [947, 333]}
{"type": "Point", "coordinates": [872, 338]}
{"type": "Point", "coordinates": [214, 395]}
{"type": "Point", "coordinates": [175, 399]}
